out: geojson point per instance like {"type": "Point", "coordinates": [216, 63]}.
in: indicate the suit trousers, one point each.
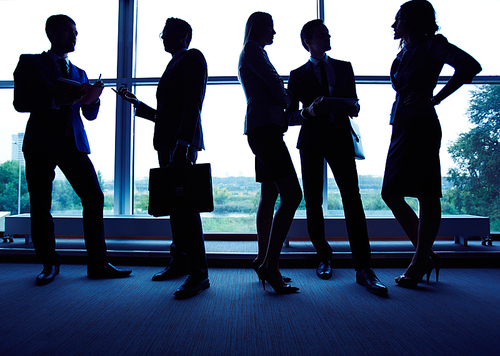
{"type": "Point", "coordinates": [343, 167]}
{"type": "Point", "coordinates": [188, 245]}
{"type": "Point", "coordinates": [80, 172]}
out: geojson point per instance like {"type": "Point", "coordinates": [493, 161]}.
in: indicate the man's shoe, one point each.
{"type": "Point", "coordinates": [324, 270]}
{"type": "Point", "coordinates": [170, 272]}
{"type": "Point", "coordinates": [193, 286]}
{"type": "Point", "coordinates": [48, 274]}
{"type": "Point", "coordinates": [366, 277]}
{"type": "Point", "coordinates": [106, 271]}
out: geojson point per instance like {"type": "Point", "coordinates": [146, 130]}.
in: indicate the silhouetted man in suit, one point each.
{"type": "Point", "coordinates": [325, 135]}
{"type": "Point", "coordinates": [55, 136]}
{"type": "Point", "coordinates": [178, 137]}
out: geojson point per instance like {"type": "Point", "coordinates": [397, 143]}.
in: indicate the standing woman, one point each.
{"type": "Point", "coordinates": [265, 124]}
{"type": "Point", "coordinates": [413, 167]}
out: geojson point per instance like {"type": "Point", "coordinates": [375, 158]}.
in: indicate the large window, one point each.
{"type": "Point", "coordinates": [23, 29]}
{"type": "Point", "coordinates": [123, 29]}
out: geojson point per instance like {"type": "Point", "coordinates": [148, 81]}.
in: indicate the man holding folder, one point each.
{"type": "Point", "coordinates": [55, 136]}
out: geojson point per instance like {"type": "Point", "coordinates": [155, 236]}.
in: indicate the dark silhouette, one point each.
{"type": "Point", "coordinates": [413, 167]}
{"type": "Point", "coordinates": [327, 91]}
{"type": "Point", "coordinates": [265, 124]}
{"type": "Point", "coordinates": [55, 136]}
{"type": "Point", "coordinates": [178, 137]}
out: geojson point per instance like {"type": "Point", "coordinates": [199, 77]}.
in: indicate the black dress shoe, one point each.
{"type": "Point", "coordinates": [107, 271]}
{"type": "Point", "coordinates": [169, 273]}
{"type": "Point", "coordinates": [366, 277]}
{"type": "Point", "coordinates": [191, 287]}
{"type": "Point", "coordinates": [48, 274]}
{"type": "Point", "coordinates": [324, 270]}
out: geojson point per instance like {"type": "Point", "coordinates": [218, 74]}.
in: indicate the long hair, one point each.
{"type": "Point", "coordinates": [419, 20]}
{"type": "Point", "coordinates": [254, 27]}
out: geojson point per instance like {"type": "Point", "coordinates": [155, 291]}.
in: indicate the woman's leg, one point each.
{"type": "Point", "coordinates": [421, 231]}
{"type": "Point", "coordinates": [265, 213]}
{"type": "Point", "coordinates": [404, 215]}
{"type": "Point", "coordinates": [430, 219]}
{"type": "Point", "coordinates": [290, 197]}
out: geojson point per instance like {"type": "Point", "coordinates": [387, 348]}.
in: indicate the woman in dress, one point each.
{"type": "Point", "coordinates": [265, 124]}
{"type": "Point", "coordinates": [413, 167]}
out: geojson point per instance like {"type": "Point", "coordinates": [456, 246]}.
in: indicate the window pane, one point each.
{"type": "Point", "coordinates": [101, 138]}
{"type": "Point", "coordinates": [23, 29]}
{"type": "Point", "coordinates": [362, 34]}
{"type": "Point", "coordinates": [218, 29]}
{"type": "Point", "coordinates": [95, 53]}
{"type": "Point", "coordinates": [226, 150]}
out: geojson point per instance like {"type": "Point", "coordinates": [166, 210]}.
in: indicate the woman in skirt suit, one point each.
{"type": "Point", "coordinates": [413, 167]}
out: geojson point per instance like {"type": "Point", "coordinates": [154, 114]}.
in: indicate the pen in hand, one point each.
{"type": "Point", "coordinates": [99, 83]}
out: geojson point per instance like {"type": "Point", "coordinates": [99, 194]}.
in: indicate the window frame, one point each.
{"type": "Point", "coordinates": [124, 145]}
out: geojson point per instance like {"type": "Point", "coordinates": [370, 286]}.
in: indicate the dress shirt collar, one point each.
{"type": "Point", "coordinates": [55, 57]}
{"type": "Point", "coordinates": [315, 61]}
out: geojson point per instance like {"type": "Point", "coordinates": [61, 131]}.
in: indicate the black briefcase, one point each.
{"type": "Point", "coordinates": [183, 189]}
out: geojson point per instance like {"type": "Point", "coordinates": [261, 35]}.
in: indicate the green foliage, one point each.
{"type": "Point", "coordinates": [229, 224]}
{"type": "Point", "coordinates": [476, 177]}
{"type": "Point", "coordinates": [64, 197]}
{"type": "Point", "coordinates": [221, 195]}
{"type": "Point", "coordinates": [9, 187]}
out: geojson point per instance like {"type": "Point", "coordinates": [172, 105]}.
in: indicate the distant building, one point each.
{"type": "Point", "coordinates": [17, 147]}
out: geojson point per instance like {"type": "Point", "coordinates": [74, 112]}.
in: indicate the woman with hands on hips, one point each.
{"type": "Point", "coordinates": [412, 166]}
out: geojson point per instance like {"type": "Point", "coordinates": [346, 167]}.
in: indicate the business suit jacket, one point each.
{"type": "Point", "coordinates": [48, 143]}
{"type": "Point", "coordinates": [305, 88]}
{"type": "Point", "coordinates": [180, 95]}
{"type": "Point", "coordinates": [416, 70]}
{"type": "Point", "coordinates": [413, 166]}
{"type": "Point", "coordinates": [266, 95]}
{"type": "Point", "coordinates": [328, 138]}
{"type": "Point", "coordinates": [34, 80]}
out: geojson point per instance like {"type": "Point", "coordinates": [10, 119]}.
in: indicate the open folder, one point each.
{"type": "Point", "coordinates": [67, 86]}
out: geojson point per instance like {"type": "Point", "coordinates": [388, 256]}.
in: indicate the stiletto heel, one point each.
{"type": "Point", "coordinates": [284, 289]}
{"type": "Point", "coordinates": [437, 263]}
{"type": "Point", "coordinates": [410, 282]}
{"type": "Point", "coordinates": [257, 263]}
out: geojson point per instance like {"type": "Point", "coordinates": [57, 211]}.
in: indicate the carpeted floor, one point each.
{"type": "Point", "coordinates": [459, 315]}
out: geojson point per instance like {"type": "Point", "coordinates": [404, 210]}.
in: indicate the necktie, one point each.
{"type": "Point", "coordinates": [64, 68]}
{"type": "Point", "coordinates": [325, 90]}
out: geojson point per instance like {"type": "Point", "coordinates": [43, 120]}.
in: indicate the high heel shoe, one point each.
{"type": "Point", "coordinates": [283, 289]}
{"type": "Point", "coordinates": [257, 263]}
{"type": "Point", "coordinates": [412, 282]}
{"type": "Point", "coordinates": [437, 263]}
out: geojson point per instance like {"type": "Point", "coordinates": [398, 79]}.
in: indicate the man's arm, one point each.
{"type": "Point", "coordinates": [193, 89]}
{"type": "Point", "coordinates": [293, 113]}
{"type": "Point", "coordinates": [89, 111]}
{"type": "Point", "coordinates": [257, 60]}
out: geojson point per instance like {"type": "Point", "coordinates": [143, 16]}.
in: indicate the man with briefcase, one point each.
{"type": "Point", "coordinates": [178, 137]}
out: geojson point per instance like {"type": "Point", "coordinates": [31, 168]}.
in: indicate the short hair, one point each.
{"type": "Point", "coordinates": [418, 19]}
{"type": "Point", "coordinates": [179, 26]}
{"type": "Point", "coordinates": [54, 23]}
{"type": "Point", "coordinates": [254, 27]}
{"type": "Point", "coordinates": [308, 31]}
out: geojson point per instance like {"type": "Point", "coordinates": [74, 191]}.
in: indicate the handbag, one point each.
{"type": "Point", "coordinates": [180, 189]}
{"type": "Point", "coordinates": [356, 139]}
